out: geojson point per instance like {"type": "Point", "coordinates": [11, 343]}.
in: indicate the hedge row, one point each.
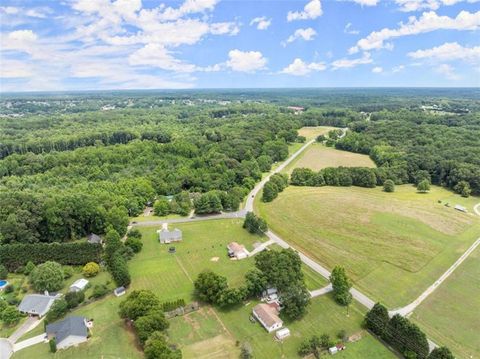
{"type": "Point", "coordinates": [13, 256]}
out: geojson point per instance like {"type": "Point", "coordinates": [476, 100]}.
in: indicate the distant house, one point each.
{"type": "Point", "coordinates": [165, 236]}
{"type": "Point", "coordinates": [267, 315]}
{"type": "Point", "coordinates": [236, 250]}
{"type": "Point", "coordinates": [79, 285]}
{"type": "Point", "coordinates": [37, 304]}
{"type": "Point", "coordinates": [296, 109]}
{"type": "Point", "coordinates": [119, 291]}
{"type": "Point", "coordinates": [68, 332]}
{"type": "Point", "coordinates": [460, 208]}
{"type": "Point", "coordinates": [94, 239]}
{"type": "Point", "coordinates": [282, 333]}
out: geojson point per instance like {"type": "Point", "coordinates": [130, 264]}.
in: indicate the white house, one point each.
{"type": "Point", "coordinates": [165, 236]}
{"type": "Point", "coordinates": [267, 315]}
{"type": "Point", "coordinates": [79, 285]}
{"type": "Point", "coordinates": [236, 250]}
{"type": "Point", "coordinates": [68, 332]}
{"type": "Point", "coordinates": [282, 333]}
{"type": "Point", "coordinates": [270, 295]}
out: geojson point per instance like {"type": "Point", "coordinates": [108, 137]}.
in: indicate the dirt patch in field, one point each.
{"type": "Point", "coordinates": [214, 259]}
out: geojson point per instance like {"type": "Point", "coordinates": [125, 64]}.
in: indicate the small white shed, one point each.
{"type": "Point", "coordinates": [79, 285]}
{"type": "Point", "coordinates": [282, 333]}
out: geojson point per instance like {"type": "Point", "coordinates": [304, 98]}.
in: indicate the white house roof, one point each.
{"type": "Point", "coordinates": [69, 326]}
{"type": "Point", "coordinates": [80, 283]}
{"type": "Point", "coordinates": [165, 234]}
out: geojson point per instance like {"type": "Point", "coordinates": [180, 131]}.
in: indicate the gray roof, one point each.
{"type": "Point", "coordinates": [165, 234]}
{"type": "Point", "coordinates": [38, 304]}
{"type": "Point", "coordinates": [69, 326]}
{"type": "Point", "coordinates": [93, 238]}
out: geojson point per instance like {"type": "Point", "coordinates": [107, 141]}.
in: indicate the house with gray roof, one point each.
{"type": "Point", "coordinates": [94, 239]}
{"type": "Point", "coordinates": [68, 332]}
{"type": "Point", "coordinates": [165, 236]}
{"type": "Point", "coordinates": [37, 304]}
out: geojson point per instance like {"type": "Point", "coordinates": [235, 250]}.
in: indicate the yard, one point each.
{"type": "Point", "coordinates": [455, 301]}
{"type": "Point", "coordinates": [393, 245]}
{"type": "Point", "coordinates": [319, 156]}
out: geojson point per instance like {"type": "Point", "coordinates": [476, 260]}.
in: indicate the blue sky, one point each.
{"type": "Point", "coordinates": [134, 44]}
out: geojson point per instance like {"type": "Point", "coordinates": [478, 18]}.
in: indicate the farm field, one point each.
{"type": "Point", "coordinates": [393, 245]}
{"type": "Point", "coordinates": [319, 156]}
{"type": "Point", "coordinates": [455, 301]}
{"type": "Point", "coordinates": [312, 132]}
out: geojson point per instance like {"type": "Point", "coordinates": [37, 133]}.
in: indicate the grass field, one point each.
{"type": "Point", "coordinates": [455, 301]}
{"type": "Point", "coordinates": [319, 156]}
{"type": "Point", "coordinates": [312, 132]}
{"type": "Point", "coordinates": [392, 245]}
{"type": "Point", "coordinates": [323, 316]}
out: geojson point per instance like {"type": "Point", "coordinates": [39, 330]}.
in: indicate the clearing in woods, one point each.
{"type": "Point", "coordinates": [393, 245]}
{"type": "Point", "coordinates": [319, 156]}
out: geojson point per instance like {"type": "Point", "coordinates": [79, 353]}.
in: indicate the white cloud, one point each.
{"type": "Point", "coordinates": [448, 71]}
{"type": "Point", "coordinates": [377, 70]}
{"type": "Point", "coordinates": [347, 63]}
{"type": "Point", "coordinates": [416, 5]}
{"type": "Point", "coordinates": [398, 68]}
{"type": "Point", "coordinates": [224, 28]}
{"type": "Point", "coordinates": [246, 61]}
{"type": "Point", "coordinates": [429, 21]}
{"type": "Point", "coordinates": [306, 34]}
{"type": "Point", "coordinates": [262, 22]}
{"type": "Point", "coordinates": [449, 51]}
{"type": "Point", "coordinates": [157, 56]}
{"type": "Point", "coordinates": [311, 11]}
{"type": "Point", "coordinates": [366, 2]}
{"type": "Point", "coordinates": [348, 29]}
{"type": "Point", "coordinates": [299, 68]}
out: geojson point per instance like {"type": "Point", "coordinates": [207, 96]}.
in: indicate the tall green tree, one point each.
{"type": "Point", "coordinates": [341, 285]}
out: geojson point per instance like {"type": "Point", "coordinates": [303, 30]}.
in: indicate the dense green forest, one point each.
{"type": "Point", "coordinates": [71, 164]}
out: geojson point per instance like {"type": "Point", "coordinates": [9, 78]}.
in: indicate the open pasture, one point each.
{"type": "Point", "coordinates": [393, 245]}
{"type": "Point", "coordinates": [319, 156]}
{"type": "Point", "coordinates": [455, 301]}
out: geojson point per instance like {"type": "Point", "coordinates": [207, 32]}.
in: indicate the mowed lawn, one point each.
{"type": "Point", "coordinates": [456, 301]}
{"type": "Point", "coordinates": [318, 156]}
{"type": "Point", "coordinates": [393, 245]}
{"type": "Point", "coordinates": [323, 316]}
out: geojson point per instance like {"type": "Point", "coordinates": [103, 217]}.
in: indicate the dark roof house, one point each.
{"type": "Point", "coordinates": [68, 332]}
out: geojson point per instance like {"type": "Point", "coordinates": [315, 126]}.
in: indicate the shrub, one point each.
{"type": "Point", "coordinates": [134, 243]}
{"type": "Point", "coordinates": [53, 345]}
{"type": "Point", "coordinates": [389, 186]}
{"type": "Point", "coordinates": [139, 303]}
{"type": "Point", "coordinates": [74, 299]}
{"type": "Point", "coordinates": [29, 267]}
{"type": "Point", "coordinates": [119, 270]}
{"type": "Point", "coordinates": [135, 233]}
{"type": "Point", "coordinates": [47, 276]}
{"type": "Point", "coordinates": [68, 272]}
{"type": "Point", "coordinates": [58, 310]}
{"type": "Point", "coordinates": [9, 289]}
{"type": "Point", "coordinates": [99, 290]}
{"type": "Point", "coordinates": [10, 315]}
{"type": "Point", "coordinates": [91, 269]}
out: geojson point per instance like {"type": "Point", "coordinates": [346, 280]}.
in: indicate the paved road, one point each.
{"type": "Point", "coordinates": [227, 215]}
{"type": "Point", "coordinates": [6, 348]}
{"type": "Point", "coordinates": [411, 307]}
{"type": "Point", "coordinates": [260, 248]}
